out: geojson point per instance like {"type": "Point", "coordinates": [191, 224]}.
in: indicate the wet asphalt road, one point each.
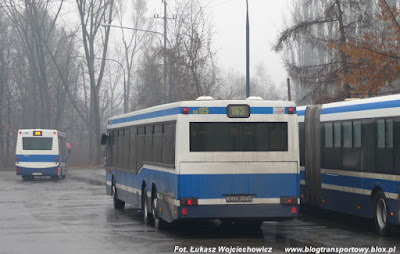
{"type": "Point", "coordinates": [75, 216]}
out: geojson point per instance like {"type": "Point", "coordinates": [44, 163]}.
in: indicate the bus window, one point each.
{"type": "Point", "coordinates": [37, 143]}
{"type": "Point", "coordinates": [230, 137]}
{"type": "Point", "coordinates": [380, 133]}
{"type": "Point", "coordinates": [347, 135]}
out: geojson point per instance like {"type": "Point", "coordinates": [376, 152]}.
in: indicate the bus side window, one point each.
{"type": "Point", "coordinates": [110, 149]}
{"type": "Point", "coordinates": [356, 134]}
{"type": "Point", "coordinates": [328, 135]}
{"type": "Point", "coordinates": [157, 143]}
{"type": "Point", "coordinates": [380, 134]}
{"type": "Point", "coordinates": [148, 142]}
{"type": "Point", "coordinates": [115, 148]}
{"type": "Point", "coordinates": [140, 147]}
{"type": "Point", "coordinates": [337, 134]}
{"type": "Point", "coordinates": [168, 143]}
{"type": "Point", "coordinates": [347, 134]}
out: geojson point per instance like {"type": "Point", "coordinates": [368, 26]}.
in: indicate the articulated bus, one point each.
{"type": "Point", "coordinates": [350, 158]}
{"type": "Point", "coordinates": [41, 152]}
{"type": "Point", "coordinates": [236, 161]}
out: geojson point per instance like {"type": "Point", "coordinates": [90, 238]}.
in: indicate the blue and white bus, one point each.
{"type": "Point", "coordinates": [41, 152]}
{"type": "Point", "coordinates": [350, 158]}
{"type": "Point", "coordinates": [206, 159]}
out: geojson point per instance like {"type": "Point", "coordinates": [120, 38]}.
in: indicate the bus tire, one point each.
{"type": "Point", "coordinates": [145, 206]}
{"type": "Point", "coordinates": [158, 221]}
{"type": "Point", "coordinates": [380, 213]}
{"type": "Point", "coordinates": [118, 204]}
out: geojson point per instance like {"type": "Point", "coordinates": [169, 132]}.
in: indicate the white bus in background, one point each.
{"type": "Point", "coordinates": [41, 152]}
{"type": "Point", "coordinates": [237, 161]}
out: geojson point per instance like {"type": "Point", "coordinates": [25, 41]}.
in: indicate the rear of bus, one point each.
{"type": "Point", "coordinates": [238, 160]}
{"type": "Point", "coordinates": [37, 153]}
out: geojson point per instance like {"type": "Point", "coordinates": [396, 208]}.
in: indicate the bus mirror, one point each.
{"type": "Point", "coordinates": [103, 139]}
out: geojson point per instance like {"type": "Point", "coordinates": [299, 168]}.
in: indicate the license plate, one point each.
{"type": "Point", "coordinates": [239, 198]}
{"type": "Point", "coordinates": [37, 174]}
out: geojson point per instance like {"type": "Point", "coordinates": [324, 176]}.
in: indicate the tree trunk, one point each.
{"type": "Point", "coordinates": [343, 57]}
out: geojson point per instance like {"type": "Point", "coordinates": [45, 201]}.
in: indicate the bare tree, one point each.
{"type": "Point", "coordinates": [92, 13]}
{"type": "Point", "coordinates": [195, 69]}
{"type": "Point", "coordinates": [35, 28]}
{"type": "Point", "coordinates": [132, 40]}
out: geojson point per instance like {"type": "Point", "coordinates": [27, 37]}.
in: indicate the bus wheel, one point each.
{"type": "Point", "coordinates": [380, 213]}
{"type": "Point", "coordinates": [146, 210]}
{"type": "Point", "coordinates": [118, 204]}
{"type": "Point", "coordinates": [158, 222]}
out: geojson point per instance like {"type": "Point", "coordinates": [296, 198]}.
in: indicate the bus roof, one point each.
{"type": "Point", "coordinates": [358, 109]}
{"type": "Point", "coordinates": [24, 131]}
{"type": "Point", "coordinates": [176, 108]}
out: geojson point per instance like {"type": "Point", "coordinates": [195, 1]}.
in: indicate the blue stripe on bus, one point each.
{"type": "Point", "coordinates": [222, 110]}
{"type": "Point", "coordinates": [160, 113]}
{"type": "Point", "coordinates": [360, 182]}
{"type": "Point", "coordinates": [261, 110]}
{"type": "Point", "coordinates": [212, 185]}
{"type": "Point", "coordinates": [358, 107]}
{"type": "Point", "coordinates": [301, 112]}
{"type": "Point", "coordinates": [45, 171]}
{"type": "Point", "coordinates": [211, 110]}
{"type": "Point", "coordinates": [261, 185]}
{"type": "Point", "coordinates": [357, 182]}
{"type": "Point", "coordinates": [36, 158]}
{"type": "Point", "coordinates": [179, 110]}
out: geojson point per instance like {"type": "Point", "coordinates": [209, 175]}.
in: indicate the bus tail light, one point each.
{"type": "Point", "coordinates": [185, 110]}
{"type": "Point", "coordinates": [18, 159]}
{"type": "Point", "coordinates": [294, 210]}
{"type": "Point", "coordinates": [288, 200]}
{"type": "Point", "coordinates": [184, 211]}
{"type": "Point", "coordinates": [17, 170]}
{"type": "Point", "coordinates": [189, 201]}
{"type": "Point", "coordinates": [56, 159]}
{"type": "Point", "coordinates": [291, 110]}
{"type": "Point", "coordinates": [56, 171]}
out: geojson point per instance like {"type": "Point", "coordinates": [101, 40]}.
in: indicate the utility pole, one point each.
{"type": "Point", "coordinates": [168, 88]}
{"type": "Point", "coordinates": [288, 90]}
{"type": "Point", "coordinates": [247, 52]}
{"type": "Point", "coordinates": [165, 48]}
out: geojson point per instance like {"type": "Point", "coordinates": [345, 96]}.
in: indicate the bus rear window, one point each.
{"type": "Point", "coordinates": [235, 137]}
{"type": "Point", "coordinates": [37, 143]}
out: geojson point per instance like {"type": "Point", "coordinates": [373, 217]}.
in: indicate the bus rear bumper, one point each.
{"type": "Point", "coordinates": [265, 212]}
{"type": "Point", "coordinates": [52, 171]}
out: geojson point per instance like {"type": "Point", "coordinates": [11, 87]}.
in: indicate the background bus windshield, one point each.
{"type": "Point", "coordinates": [225, 137]}
{"type": "Point", "coordinates": [37, 143]}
